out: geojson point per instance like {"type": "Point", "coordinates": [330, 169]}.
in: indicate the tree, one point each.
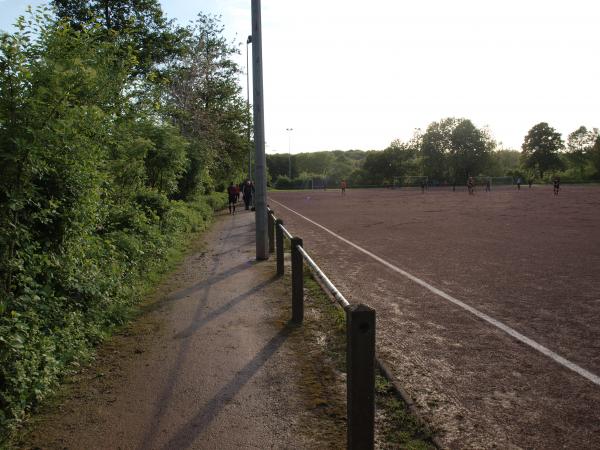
{"type": "Point", "coordinates": [454, 149]}
{"type": "Point", "coordinates": [435, 147]}
{"type": "Point", "coordinates": [540, 149]}
{"type": "Point", "coordinates": [137, 25]}
{"type": "Point", "coordinates": [206, 104]}
{"type": "Point", "coordinates": [579, 145]}
{"type": "Point", "coordinates": [503, 161]}
{"type": "Point", "coordinates": [595, 156]}
{"type": "Point", "coordinates": [470, 149]}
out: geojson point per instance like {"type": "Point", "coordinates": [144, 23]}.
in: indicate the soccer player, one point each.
{"type": "Point", "coordinates": [471, 186]}
{"type": "Point", "coordinates": [343, 186]}
{"type": "Point", "coordinates": [487, 185]}
{"type": "Point", "coordinates": [232, 192]}
{"type": "Point", "coordinates": [519, 181]}
{"type": "Point", "coordinates": [556, 185]}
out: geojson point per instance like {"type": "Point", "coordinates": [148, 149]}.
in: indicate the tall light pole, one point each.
{"type": "Point", "coordinates": [262, 239]}
{"type": "Point", "coordinates": [289, 130]}
{"type": "Point", "coordinates": [248, 41]}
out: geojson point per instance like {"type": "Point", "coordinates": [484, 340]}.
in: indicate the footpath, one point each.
{"type": "Point", "coordinates": [211, 364]}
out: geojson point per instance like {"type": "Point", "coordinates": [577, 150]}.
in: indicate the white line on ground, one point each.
{"type": "Point", "coordinates": [508, 330]}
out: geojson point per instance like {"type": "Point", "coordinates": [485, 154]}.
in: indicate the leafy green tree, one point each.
{"type": "Point", "coordinates": [206, 104]}
{"type": "Point", "coordinates": [470, 149]}
{"type": "Point", "coordinates": [454, 149]}
{"type": "Point", "coordinates": [595, 156]}
{"type": "Point", "coordinates": [435, 148]}
{"type": "Point", "coordinates": [579, 145]}
{"type": "Point", "coordinates": [138, 26]}
{"type": "Point", "coordinates": [503, 162]}
{"type": "Point", "coordinates": [379, 167]}
{"type": "Point", "coordinates": [165, 160]}
{"type": "Point", "coordinates": [540, 149]}
{"type": "Point", "coordinates": [278, 165]}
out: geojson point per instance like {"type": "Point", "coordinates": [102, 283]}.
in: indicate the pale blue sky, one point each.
{"type": "Point", "coordinates": [355, 74]}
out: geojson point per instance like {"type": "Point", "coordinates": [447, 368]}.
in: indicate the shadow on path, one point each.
{"type": "Point", "coordinates": [187, 433]}
{"type": "Point", "coordinates": [201, 292]}
{"type": "Point", "coordinates": [199, 323]}
{"type": "Point", "coordinates": [186, 292]}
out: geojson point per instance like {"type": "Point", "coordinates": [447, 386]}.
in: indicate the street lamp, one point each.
{"type": "Point", "coordinates": [248, 41]}
{"type": "Point", "coordinates": [289, 130]}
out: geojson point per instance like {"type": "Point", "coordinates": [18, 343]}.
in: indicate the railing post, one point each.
{"type": "Point", "coordinates": [297, 282]}
{"type": "Point", "coordinates": [271, 227]}
{"type": "Point", "coordinates": [280, 243]}
{"type": "Point", "coordinates": [360, 361]}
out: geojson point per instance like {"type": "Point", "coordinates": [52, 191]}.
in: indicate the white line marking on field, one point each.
{"type": "Point", "coordinates": [508, 330]}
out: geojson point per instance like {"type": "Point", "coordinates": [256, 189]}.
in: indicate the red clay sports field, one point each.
{"type": "Point", "coordinates": [488, 306]}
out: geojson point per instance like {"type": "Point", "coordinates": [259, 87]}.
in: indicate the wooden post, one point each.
{"type": "Point", "coordinates": [271, 226]}
{"type": "Point", "coordinates": [297, 282]}
{"type": "Point", "coordinates": [360, 361]}
{"type": "Point", "coordinates": [280, 244]}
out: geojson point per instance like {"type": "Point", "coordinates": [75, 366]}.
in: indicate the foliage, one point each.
{"type": "Point", "coordinates": [579, 145]}
{"type": "Point", "coordinates": [470, 150]}
{"type": "Point", "coordinates": [540, 149]}
{"type": "Point", "coordinates": [92, 164]}
{"type": "Point", "coordinates": [137, 25]}
{"type": "Point", "coordinates": [205, 102]}
{"type": "Point", "coordinates": [331, 166]}
{"type": "Point", "coordinates": [595, 156]}
{"type": "Point", "coordinates": [454, 149]}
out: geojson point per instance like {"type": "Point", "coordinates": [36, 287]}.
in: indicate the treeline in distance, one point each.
{"type": "Point", "coordinates": [449, 151]}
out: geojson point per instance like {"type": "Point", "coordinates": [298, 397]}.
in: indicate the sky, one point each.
{"type": "Point", "coordinates": [346, 74]}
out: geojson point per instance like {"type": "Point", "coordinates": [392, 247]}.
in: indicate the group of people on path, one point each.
{"type": "Point", "coordinates": [246, 188]}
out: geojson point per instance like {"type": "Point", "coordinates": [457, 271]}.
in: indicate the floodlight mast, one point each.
{"type": "Point", "coordinates": [248, 41]}
{"type": "Point", "coordinates": [289, 130]}
{"type": "Point", "coordinates": [262, 241]}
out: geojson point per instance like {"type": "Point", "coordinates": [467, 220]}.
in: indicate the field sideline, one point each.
{"type": "Point", "coordinates": [510, 356]}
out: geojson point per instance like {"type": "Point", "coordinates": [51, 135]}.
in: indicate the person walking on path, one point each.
{"type": "Point", "coordinates": [343, 186]}
{"type": "Point", "coordinates": [233, 194]}
{"type": "Point", "coordinates": [248, 194]}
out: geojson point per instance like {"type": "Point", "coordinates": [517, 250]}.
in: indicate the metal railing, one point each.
{"type": "Point", "coordinates": [360, 334]}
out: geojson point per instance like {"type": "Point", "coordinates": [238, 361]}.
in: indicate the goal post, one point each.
{"type": "Point", "coordinates": [319, 183]}
{"type": "Point", "coordinates": [411, 181]}
{"type": "Point", "coordinates": [487, 181]}
{"type": "Point", "coordinates": [502, 181]}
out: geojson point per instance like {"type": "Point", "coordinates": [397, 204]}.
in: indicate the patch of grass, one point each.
{"type": "Point", "coordinates": [395, 426]}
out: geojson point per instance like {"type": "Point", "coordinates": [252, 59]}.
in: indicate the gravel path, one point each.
{"type": "Point", "coordinates": [211, 364]}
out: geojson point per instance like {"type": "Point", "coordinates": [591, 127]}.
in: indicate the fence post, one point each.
{"type": "Point", "coordinates": [280, 243]}
{"type": "Point", "coordinates": [271, 227]}
{"type": "Point", "coordinates": [360, 361]}
{"type": "Point", "coordinates": [297, 282]}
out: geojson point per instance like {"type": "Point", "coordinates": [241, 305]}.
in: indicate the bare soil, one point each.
{"type": "Point", "coordinates": [211, 363]}
{"type": "Point", "coordinates": [527, 258]}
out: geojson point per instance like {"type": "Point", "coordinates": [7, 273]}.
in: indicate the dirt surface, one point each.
{"type": "Point", "coordinates": [526, 258]}
{"type": "Point", "coordinates": [212, 364]}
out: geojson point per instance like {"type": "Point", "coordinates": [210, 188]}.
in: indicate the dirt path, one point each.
{"type": "Point", "coordinates": [212, 365]}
